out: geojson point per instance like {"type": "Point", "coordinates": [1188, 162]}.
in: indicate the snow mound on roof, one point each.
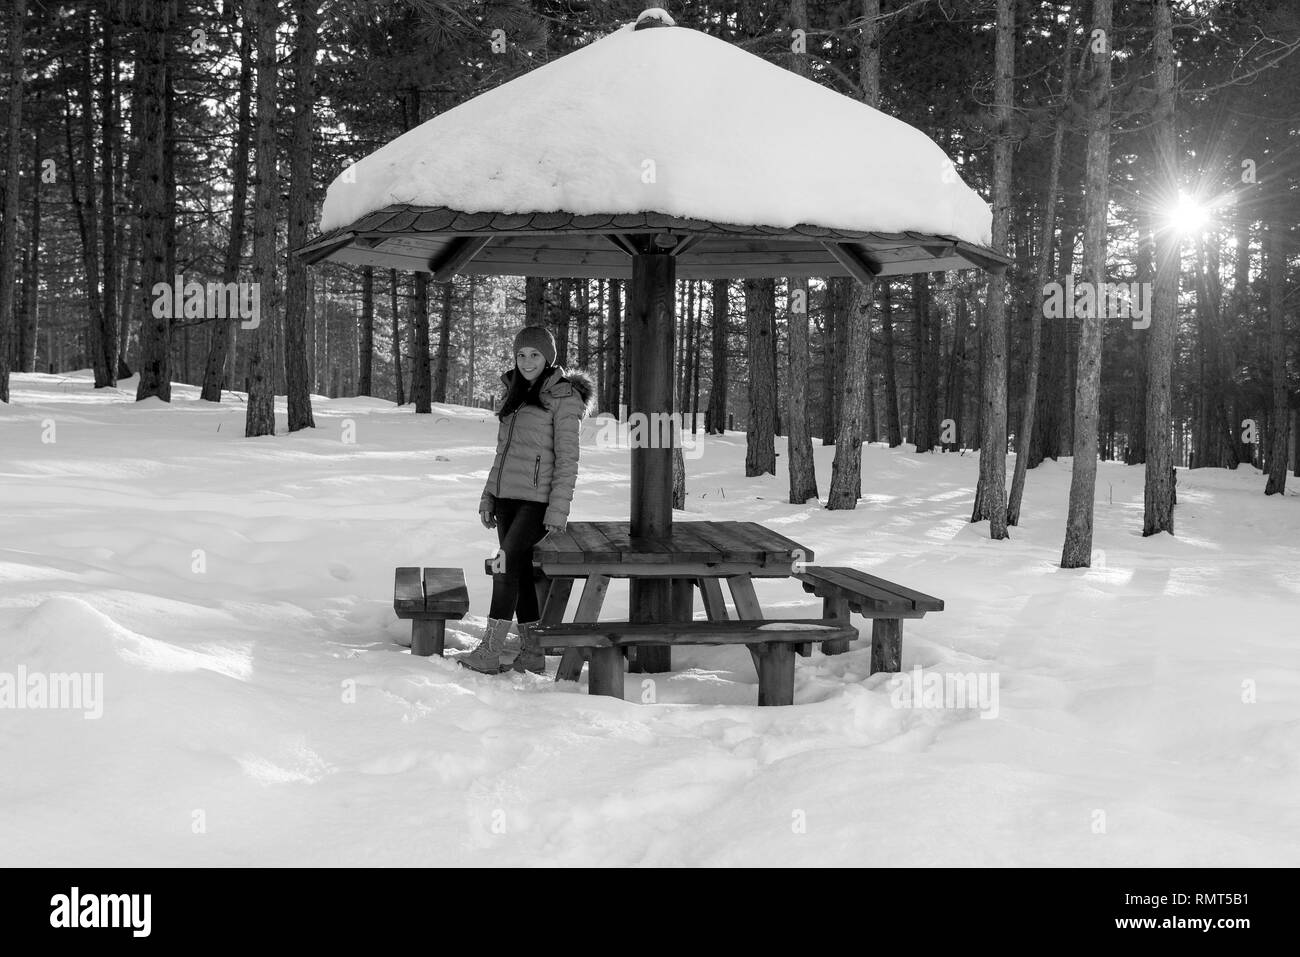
{"type": "Point", "coordinates": [674, 121]}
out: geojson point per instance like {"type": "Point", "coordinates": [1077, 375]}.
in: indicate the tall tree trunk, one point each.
{"type": "Point", "coordinates": [27, 328]}
{"type": "Point", "coordinates": [1241, 313]}
{"type": "Point", "coordinates": [9, 213]}
{"type": "Point", "coordinates": [421, 375]}
{"type": "Point", "coordinates": [155, 331]}
{"type": "Point", "coordinates": [760, 310]}
{"type": "Point", "coordinates": [260, 418]}
{"type": "Point", "coordinates": [831, 318]}
{"type": "Point", "coordinates": [1158, 493]}
{"type": "Point", "coordinates": [125, 292]}
{"type": "Point", "coordinates": [108, 136]}
{"type": "Point", "coordinates": [614, 344]}
{"type": "Point", "coordinates": [397, 337]}
{"type": "Point", "coordinates": [1077, 551]}
{"type": "Point", "coordinates": [717, 417]}
{"type": "Point", "coordinates": [840, 298]}
{"type": "Point", "coordinates": [86, 210]}
{"type": "Point", "coordinates": [130, 261]}
{"type": "Point", "coordinates": [1064, 359]}
{"type": "Point", "coordinates": [472, 371]}
{"type": "Point", "coordinates": [584, 323]}
{"type": "Point", "coordinates": [846, 469]}
{"type": "Point", "coordinates": [698, 353]}
{"type": "Point", "coordinates": [169, 187]}
{"type": "Point", "coordinates": [562, 290]}
{"type": "Point", "coordinates": [444, 342]}
{"type": "Point", "coordinates": [297, 287]}
{"type": "Point", "coordinates": [1135, 452]}
{"type": "Point", "coordinates": [893, 421]}
{"type": "Point", "coordinates": [925, 426]}
{"type": "Point", "coordinates": [854, 321]}
{"type": "Point", "coordinates": [218, 371]}
{"type": "Point", "coordinates": [990, 493]}
{"type": "Point", "coordinates": [365, 383]}
{"type": "Point", "coordinates": [803, 471]}
{"type": "Point", "coordinates": [1025, 434]}
{"type": "Point", "coordinates": [955, 406]}
{"type": "Point", "coordinates": [802, 468]}
{"type": "Point", "coordinates": [1277, 449]}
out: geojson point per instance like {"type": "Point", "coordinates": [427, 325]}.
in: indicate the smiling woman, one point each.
{"type": "Point", "coordinates": [528, 491]}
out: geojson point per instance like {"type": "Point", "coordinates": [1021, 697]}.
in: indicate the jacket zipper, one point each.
{"type": "Point", "coordinates": [506, 451]}
{"type": "Point", "coordinates": [537, 467]}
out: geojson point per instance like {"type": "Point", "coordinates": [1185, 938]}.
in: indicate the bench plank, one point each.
{"type": "Point", "coordinates": [408, 591]}
{"type": "Point", "coordinates": [445, 592]}
{"type": "Point", "coordinates": [820, 579]}
{"type": "Point", "coordinates": [606, 634]}
{"type": "Point", "coordinates": [920, 600]}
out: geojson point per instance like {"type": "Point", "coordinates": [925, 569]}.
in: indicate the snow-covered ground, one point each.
{"type": "Point", "coordinates": [257, 708]}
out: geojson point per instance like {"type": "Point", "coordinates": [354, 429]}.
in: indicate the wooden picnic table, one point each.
{"type": "Point", "coordinates": [698, 555]}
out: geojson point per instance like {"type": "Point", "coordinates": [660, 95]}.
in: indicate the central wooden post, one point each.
{"type": "Point", "coordinates": [651, 332]}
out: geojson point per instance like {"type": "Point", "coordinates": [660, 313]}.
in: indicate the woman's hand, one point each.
{"type": "Point", "coordinates": [554, 528]}
{"type": "Point", "coordinates": [487, 518]}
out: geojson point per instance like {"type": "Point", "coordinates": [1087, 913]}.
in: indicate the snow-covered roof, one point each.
{"type": "Point", "coordinates": [675, 122]}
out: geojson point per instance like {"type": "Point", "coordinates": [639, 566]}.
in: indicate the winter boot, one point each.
{"type": "Point", "coordinates": [489, 657]}
{"type": "Point", "coordinates": [530, 656]}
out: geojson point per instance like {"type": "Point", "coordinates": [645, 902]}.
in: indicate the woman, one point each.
{"type": "Point", "coordinates": [528, 491]}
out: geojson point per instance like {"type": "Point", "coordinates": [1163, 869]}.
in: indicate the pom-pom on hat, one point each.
{"type": "Point", "coordinates": [539, 338]}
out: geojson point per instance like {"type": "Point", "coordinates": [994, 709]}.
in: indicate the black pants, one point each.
{"type": "Point", "coordinates": [519, 528]}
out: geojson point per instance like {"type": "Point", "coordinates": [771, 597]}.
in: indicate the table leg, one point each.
{"type": "Point", "coordinates": [886, 645]}
{"type": "Point", "coordinates": [589, 605]}
{"type": "Point", "coordinates": [605, 676]}
{"type": "Point", "coordinates": [711, 595]}
{"type": "Point", "coordinates": [747, 608]}
{"type": "Point", "coordinates": [427, 636]}
{"type": "Point", "coordinates": [554, 605]}
{"type": "Point", "coordinates": [651, 600]}
{"type": "Point", "coordinates": [837, 608]}
{"type": "Point", "coordinates": [775, 673]}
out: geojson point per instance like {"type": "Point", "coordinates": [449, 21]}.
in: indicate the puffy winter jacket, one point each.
{"type": "Point", "coordinates": [537, 449]}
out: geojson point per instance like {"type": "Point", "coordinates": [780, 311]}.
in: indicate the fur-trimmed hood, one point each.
{"type": "Point", "coordinates": [578, 379]}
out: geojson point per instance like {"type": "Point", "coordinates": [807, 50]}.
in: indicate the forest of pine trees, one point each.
{"type": "Point", "coordinates": [1153, 143]}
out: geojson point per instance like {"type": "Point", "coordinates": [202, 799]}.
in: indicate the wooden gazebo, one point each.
{"type": "Point", "coordinates": [671, 161]}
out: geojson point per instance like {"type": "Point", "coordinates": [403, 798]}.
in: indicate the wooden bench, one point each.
{"type": "Point", "coordinates": [429, 597]}
{"type": "Point", "coordinates": [772, 643]}
{"type": "Point", "coordinates": [844, 590]}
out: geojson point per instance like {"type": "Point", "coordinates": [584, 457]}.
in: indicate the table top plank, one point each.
{"type": "Point", "coordinates": [560, 547]}
{"type": "Point", "coordinates": [594, 545]}
{"type": "Point", "coordinates": [734, 545]}
{"type": "Point", "coordinates": [636, 550]}
{"type": "Point", "coordinates": [707, 544]}
{"type": "Point", "coordinates": [688, 538]}
{"type": "Point", "coordinates": [773, 541]}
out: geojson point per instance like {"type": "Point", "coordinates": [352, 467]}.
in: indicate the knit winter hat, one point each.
{"type": "Point", "coordinates": [539, 338]}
